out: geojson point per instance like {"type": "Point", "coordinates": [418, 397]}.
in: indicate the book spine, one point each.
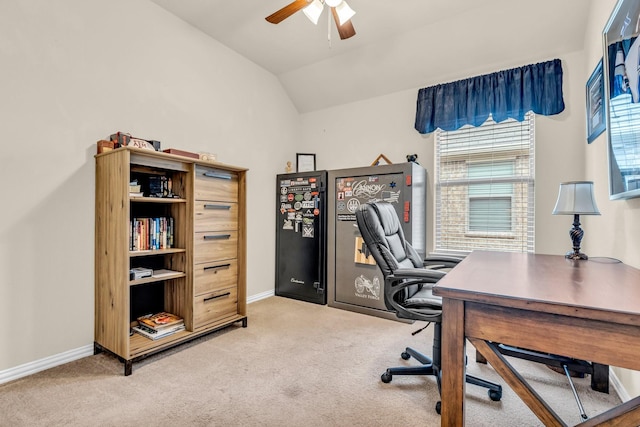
{"type": "Point", "coordinates": [171, 235]}
{"type": "Point", "coordinates": [158, 233]}
{"type": "Point", "coordinates": [154, 335]}
{"type": "Point", "coordinates": [152, 234]}
{"type": "Point", "coordinates": [146, 234]}
{"type": "Point", "coordinates": [164, 233]}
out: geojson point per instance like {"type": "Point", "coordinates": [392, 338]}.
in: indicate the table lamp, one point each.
{"type": "Point", "coordinates": [576, 198]}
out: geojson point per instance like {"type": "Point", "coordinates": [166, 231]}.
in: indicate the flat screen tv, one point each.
{"type": "Point", "coordinates": [621, 69]}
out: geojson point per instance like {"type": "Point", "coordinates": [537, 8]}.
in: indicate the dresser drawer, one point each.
{"type": "Point", "coordinates": [213, 276]}
{"type": "Point", "coordinates": [218, 216]}
{"type": "Point", "coordinates": [216, 305]}
{"type": "Point", "coordinates": [214, 184]}
{"type": "Point", "coordinates": [215, 245]}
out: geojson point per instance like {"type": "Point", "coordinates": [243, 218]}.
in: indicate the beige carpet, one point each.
{"type": "Point", "coordinates": [296, 364]}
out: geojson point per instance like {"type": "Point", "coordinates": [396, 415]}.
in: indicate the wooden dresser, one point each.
{"type": "Point", "coordinates": [197, 239]}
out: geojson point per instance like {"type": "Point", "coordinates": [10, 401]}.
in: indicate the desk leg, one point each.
{"type": "Point", "coordinates": [600, 378]}
{"type": "Point", "coordinates": [453, 358]}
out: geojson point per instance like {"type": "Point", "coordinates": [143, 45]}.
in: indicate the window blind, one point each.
{"type": "Point", "coordinates": [485, 187]}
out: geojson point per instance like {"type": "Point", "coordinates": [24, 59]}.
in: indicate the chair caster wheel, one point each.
{"type": "Point", "coordinates": [439, 407]}
{"type": "Point", "coordinates": [386, 377]}
{"type": "Point", "coordinates": [405, 355]}
{"type": "Point", "coordinates": [495, 395]}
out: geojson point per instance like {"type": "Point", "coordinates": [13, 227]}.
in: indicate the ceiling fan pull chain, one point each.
{"type": "Point", "coordinates": [329, 28]}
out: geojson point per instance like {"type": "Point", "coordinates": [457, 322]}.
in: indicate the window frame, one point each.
{"type": "Point", "coordinates": [521, 237]}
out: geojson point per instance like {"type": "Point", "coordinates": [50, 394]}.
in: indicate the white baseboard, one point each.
{"type": "Point", "coordinates": [258, 297]}
{"type": "Point", "coordinates": [46, 363]}
{"type": "Point", "coordinates": [75, 354]}
{"type": "Point", "coordinates": [87, 350]}
{"type": "Point", "coordinates": [618, 387]}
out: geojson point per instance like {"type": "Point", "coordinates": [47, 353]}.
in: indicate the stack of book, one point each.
{"type": "Point", "coordinates": [159, 325]}
{"type": "Point", "coordinates": [134, 189]}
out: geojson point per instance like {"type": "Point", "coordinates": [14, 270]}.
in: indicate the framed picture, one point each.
{"type": "Point", "coordinates": [595, 109]}
{"type": "Point", "coordinates": [622, 98]}
{"type": "Point", "coordinates": [305, 162]}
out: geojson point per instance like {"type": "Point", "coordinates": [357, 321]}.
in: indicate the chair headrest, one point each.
{"type": "Point", "coordinates": [382, 232]}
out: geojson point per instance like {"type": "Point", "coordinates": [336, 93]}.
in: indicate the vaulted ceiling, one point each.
{"type": "Point", "coordinates": [399, 45]}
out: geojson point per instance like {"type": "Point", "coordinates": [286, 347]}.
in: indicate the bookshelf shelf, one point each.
{"type": "Point", "coordinates": [134, 254]}
{"type": "Point", "coordinates": [152, 279]}
{"type": "Point", "coordinates": [156, 200]}
{"type": "Point", "coordinates": [193, 285]}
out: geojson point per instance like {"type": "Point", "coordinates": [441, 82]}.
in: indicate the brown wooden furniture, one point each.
{"type": "Point", "coordinates": [206, 202]}
{"type": "Point", "coordinates": [588, 310]}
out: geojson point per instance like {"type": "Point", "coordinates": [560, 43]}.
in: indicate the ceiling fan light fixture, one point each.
{"type": "Point", "coordinates": [313, 11]}
{"type": "Point", "coordinates": [333, 3]}
{"type": "Point", "coordinates": [344, 12]}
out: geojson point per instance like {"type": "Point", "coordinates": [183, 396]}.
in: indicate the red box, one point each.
{"type": "Point", "coordinates": [181, 153]}
{"type": "Point", "coordinates": [104, 145]}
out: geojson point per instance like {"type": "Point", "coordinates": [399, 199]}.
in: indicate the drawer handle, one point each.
{"type": "Point", "coordinates": [226, 294]}
{"type": "Point", "coordinates": [217, 267]}
{"type": "Point", "coordinates": [217, 175]}
{"type": "Point", "coordinates": [217, 237]}
{"type": "Point", "coordinates": [210, 206]}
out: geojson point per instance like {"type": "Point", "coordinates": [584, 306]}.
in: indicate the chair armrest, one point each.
{"type": "Point", "coordinates": [404, 277]}
{"type": "Point", "coordinates": [437, 262]}
{"type": "Point", "coordinates": [448, 261]}
{"type": "Point", "coordinates": [418, 273]}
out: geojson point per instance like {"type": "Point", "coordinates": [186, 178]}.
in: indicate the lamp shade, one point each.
{"type": "Point", "coordinates": [576, 198]}
{"type": "Point", "coordinates": [313, 11]}
{"type": "Point", "coordinates": [344, 12]}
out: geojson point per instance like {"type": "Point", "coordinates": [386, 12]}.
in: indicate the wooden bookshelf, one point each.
{"type": "Point", "coordinates": [207, 282]}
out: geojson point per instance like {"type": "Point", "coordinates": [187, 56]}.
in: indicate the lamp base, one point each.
{"type": "Point", "coordinates": [576, 255]}
{"type": "Point", "coordinates": [576, 234]}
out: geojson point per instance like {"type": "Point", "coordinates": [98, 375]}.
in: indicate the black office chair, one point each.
{"type": "Point", "coordinates": [408, 281]}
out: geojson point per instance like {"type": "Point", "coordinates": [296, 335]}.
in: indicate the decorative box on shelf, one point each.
{"type": "Point", "coordinates": [104, 145]}
{"type": "Point", "coordinates": [182, 153]}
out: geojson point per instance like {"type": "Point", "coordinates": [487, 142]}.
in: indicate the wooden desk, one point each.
{"type": "Point", "coordinates": [588, 310]}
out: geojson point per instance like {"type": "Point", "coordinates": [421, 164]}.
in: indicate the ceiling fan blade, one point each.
{"type": "Point", "coordinates": [345, 30]}
{"type": "Point", "coordinates": [287, 11]}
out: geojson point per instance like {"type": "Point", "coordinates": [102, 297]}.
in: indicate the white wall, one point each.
{"type": "Point", "coordinates": [615, 232]}
{"type": "Point", "coordinates": [75, 71]}
{"type": "Point", "coordinates": [355, 134]}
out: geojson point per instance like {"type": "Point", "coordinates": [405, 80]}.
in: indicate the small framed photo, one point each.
{"type": "Point", "coordinates": [595, 107]}
{"type": "Point", "coordinates": [305, 162]}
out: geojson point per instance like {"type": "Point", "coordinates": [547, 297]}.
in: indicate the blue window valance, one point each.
{"type": "Point", "coordinates": [504, 94]}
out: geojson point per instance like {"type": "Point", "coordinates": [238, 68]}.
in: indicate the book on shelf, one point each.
{"type": "Point", "coordinates": [152, 334]}
{"type": "Point", "coordinates": [151, 233]}
{"type": "Point", "coordinates": [136, 194]}
{"type": "Point", "coordinates": [160, 321]}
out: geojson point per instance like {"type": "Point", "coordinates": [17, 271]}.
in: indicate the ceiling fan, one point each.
{"type": "Point", "coordinates": [341, 11]}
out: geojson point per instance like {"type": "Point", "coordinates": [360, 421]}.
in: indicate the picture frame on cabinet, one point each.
{"type": "Point", "coordinates": [305, 162]}
{"type": "Point", "coordinates": [595, 104]}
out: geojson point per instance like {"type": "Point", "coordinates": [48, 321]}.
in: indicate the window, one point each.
{"type": "Point", "coordinates": [485, 187]}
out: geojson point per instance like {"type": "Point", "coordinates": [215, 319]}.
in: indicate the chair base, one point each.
{"type": "Point", "coordinates": [599, 373]}
{"type": "Point", "coordinates": [427, 367]}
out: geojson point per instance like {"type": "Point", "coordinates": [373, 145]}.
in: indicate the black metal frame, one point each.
{"type": "Point", "coordinates": [370, 217]}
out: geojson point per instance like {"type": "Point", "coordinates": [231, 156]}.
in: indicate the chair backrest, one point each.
{"type": "Point", "coordinates": [404, 291]}
{"type": "Point", "coordinates": [382, 232]}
